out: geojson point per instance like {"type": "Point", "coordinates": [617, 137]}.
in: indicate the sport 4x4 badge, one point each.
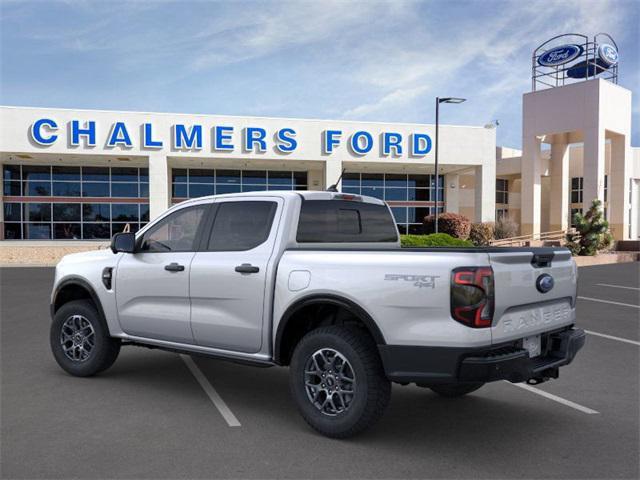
{"type": "Point", "coordinates": [420, 281]}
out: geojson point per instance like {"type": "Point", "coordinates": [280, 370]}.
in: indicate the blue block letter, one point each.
{"type": "Point", "coordinates": [184, 139]}
{"type": "Point", "coordinates": [286, 140]}
{"type": "Point", "coordinates": [253, 136]}
{"type": "Point", "coordinates": [355, 142]}
{"type": "Point", "coordinates": [119, 136]}
{"type": "Point", "coordinates": [223, 135]}
{"type": "Point", "coordinates": [147, 138]}
{"type": "Point", "coordinates": [421, 144]}
{"type": "Point", "coordinates": [392, 140]}
{"type": "Point", "coordinates": [89, 131]}
{"type": "Point", "coordinates": [331, 139]}
{"type": "Point", "coordinates": [36, 131]}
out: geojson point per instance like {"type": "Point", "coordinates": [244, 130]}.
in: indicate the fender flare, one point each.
{"type": "Point", "coordinates": [82, 283]}
{"type": "Point", "coordinates": [329, 299]}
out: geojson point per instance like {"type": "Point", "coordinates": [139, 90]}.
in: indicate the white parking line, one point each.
{"type": "Point", "coordinates": [555, 398]}
{"type": "Point", "coordinates": [222, 407]}
{"type": "Point", "coordinates": [611, 337]}
{"type": "Point", "coordinates": [609, 301]}
{"type": "Point", "coordinates": [616, 286]}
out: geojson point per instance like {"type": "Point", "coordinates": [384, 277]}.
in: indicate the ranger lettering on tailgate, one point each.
{"type": "Point", "coordinates": [537, 317]}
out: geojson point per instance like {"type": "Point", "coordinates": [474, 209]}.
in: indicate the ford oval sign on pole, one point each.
{"type": "Point", "coordinates": [608, 54]}
{"type": "Point", "coordinates": [560, 55]}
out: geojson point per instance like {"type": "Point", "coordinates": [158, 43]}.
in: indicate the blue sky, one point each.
{"type": "Point", "coordinates": [377, 61]}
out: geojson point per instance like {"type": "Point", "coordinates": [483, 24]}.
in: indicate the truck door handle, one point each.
{"type": "Point", "coordinates": [247, 268]}
{"type": "Point", "coordinates": [174, 267]}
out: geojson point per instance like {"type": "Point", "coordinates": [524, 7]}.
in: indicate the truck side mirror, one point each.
{"type": "Point", "coordinates": [123, 242]}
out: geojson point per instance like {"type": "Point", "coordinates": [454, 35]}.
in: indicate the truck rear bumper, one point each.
{"type": "Point", "coordinates": [431, 365]}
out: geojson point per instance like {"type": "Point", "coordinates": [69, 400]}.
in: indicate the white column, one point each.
{"type": "Point", "coordinates": [485, 192]}
{"type": "Point", "coordinates": [159, 184]}
{"type": "Point", "coordinates": [531, 171]}
{"type": "Point", "coordinates": [452, 192]}
{"type": "Point", "coordinates": [559, 197]}
{"type": "Point", "coordinates": [618, 188]}
{"type": "Point", "coordinates": [593, 167]}
{"type": "Point", "coordinates": [332, 171]}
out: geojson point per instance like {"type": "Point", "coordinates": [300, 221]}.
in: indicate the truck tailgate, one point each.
{"type": "Point", "coordinates": [522, 307]}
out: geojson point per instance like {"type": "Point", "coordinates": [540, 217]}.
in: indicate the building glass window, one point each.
{"type": "Point", "coordinates": [199, 182]}
{"type": "Point", "coordinates": [411, 197]}
{"type": "Point", "coordinates": [502, 190]}
{"type": "Point", "coordinates": [573, 212]}
{"type": "Point", "coordinates": [73, 202]}
{"type": "Point", "coordinates": [502, 213]}
{"type": "Point", "coordinates": [576, 190]}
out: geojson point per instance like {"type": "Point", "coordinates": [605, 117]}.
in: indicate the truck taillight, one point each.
{"type": "Point", "coordinates": [472, 298]}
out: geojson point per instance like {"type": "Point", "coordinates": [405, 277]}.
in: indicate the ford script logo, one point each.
{"type": "Point", "coordinates": [608, 54]}
{"type": "Point", "coordinates": [544, 283]}
{"type": "Point", "coordinates": [560, 55]}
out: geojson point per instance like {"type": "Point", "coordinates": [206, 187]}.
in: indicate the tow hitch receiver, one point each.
{"type": "Point", "coordinates": [545, 376]}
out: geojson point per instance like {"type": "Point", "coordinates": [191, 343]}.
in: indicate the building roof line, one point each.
{"type": "Point", "coordinates": [19, 107]}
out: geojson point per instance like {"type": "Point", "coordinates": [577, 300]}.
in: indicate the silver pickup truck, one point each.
{"type": "Point", "coordinates": [317, 281]}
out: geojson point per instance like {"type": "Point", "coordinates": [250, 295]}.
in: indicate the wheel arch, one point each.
{"type": "Point", "coordinates": [75, 288]}
{"type": "Point", "coordinates": [281, 353]}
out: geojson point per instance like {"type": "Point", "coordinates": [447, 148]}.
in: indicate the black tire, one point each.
{"type": "Point", "coordinates": [452, 390]}
{"type": "Point", "coordinates": [104, 350]}
{"type": "Point", "coordinates": [372, 389]}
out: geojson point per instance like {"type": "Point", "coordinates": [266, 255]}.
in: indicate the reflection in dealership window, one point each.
{"type": "Point", "coordinates": [63, 215]}
{"type": "Point", "coordinates": [199, 182]}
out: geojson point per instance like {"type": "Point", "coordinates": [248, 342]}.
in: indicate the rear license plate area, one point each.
{"type": "Point", "coordinates": [533, 345]}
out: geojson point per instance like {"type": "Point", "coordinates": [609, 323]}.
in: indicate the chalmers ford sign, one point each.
{"type": "Point", "coordinates": [222, 138]}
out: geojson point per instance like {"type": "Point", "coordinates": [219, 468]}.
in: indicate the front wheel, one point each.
{"type": "Point", "coordinates": [338, 382]}
{"type": "Point", "coordinates": [80, 340]}
{"type": "Point", "coordinates": [452, 390]}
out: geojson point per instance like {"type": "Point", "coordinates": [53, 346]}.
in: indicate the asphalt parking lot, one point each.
{"type": "Point", "coordinates": [149, 417]}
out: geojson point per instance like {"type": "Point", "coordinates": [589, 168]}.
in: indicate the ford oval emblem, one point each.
{"type": "Point", "coordinates": [560, 55]}
{"type": "Point", "coordinates": [608, 54]}
{"type": "Point", "coordinates": [544, 283]}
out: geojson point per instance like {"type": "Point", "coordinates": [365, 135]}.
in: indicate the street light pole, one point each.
{"type": "Point", "coordinates": [436, 162]}
{"type": "Point", "coordinates": [438, 102]}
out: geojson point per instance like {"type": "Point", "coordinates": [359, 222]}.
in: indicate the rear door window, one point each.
{"type": "Point", "coordinates": [241, 226]}
{"type": "Point", "coordinates": [342, 221]}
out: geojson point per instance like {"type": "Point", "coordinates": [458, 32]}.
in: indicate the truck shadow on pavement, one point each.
{"type": "Point", "coordinates": [493, 417]}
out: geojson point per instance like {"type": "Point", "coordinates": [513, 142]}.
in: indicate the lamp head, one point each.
{"type": "Point", "coordinates": [451, 100]}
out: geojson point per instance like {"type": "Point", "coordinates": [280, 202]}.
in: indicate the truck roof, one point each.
{"type": "Point", "coordinates": [306, 194]}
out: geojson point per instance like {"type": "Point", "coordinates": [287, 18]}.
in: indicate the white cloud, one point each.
{"type": "Point", "coordinates": [487, 57]}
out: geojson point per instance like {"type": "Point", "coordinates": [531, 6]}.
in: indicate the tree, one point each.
{"type": "Point", "coordinates": [592, 232]}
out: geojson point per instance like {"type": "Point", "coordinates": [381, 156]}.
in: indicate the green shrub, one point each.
{"type": "Point", "coordinates": [433, 240]}
{"type": "Point", "coordinates": [505, 227]}
{"type": "Point", "coordinates": [453, 224]}
{"type": "Point", "coordinates": [592, 232]}
{"type": "Point", "coordinates": [481, 234]}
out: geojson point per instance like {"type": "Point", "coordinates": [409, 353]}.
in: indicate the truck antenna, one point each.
{"type": "Point", "coordinates": [334, 187]}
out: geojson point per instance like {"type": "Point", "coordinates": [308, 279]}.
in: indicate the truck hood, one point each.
{"type": "Point", "coordinates": [104, 254]}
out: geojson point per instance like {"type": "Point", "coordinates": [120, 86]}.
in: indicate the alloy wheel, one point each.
{"type": "Point", "coordinates": [330, 381]}
{"type": "Point", "coordinates": [77, 338]}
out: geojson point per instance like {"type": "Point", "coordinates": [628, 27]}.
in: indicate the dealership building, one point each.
{"type": "Point", "coordinates": [81, 174]}
{"type": "Point", "coordinates": [87, 174]}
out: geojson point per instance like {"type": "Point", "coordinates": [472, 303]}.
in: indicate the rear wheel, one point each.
{"type": "Point", "coordinates": [452, 390]}
{"type": "Point", "coordinates": [338, 382]}
{"type": "Point", "coordinates": [80, 340]}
